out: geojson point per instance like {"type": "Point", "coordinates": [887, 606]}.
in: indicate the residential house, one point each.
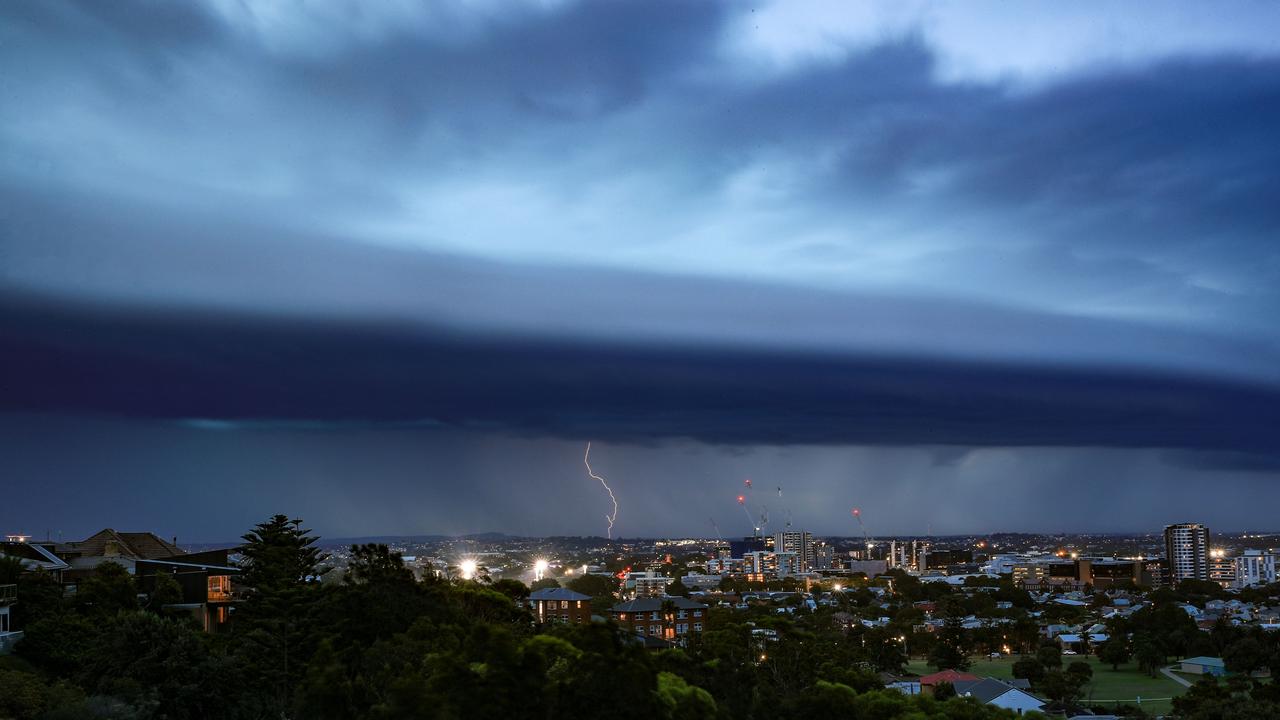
{"type": "Point", "coordinates": [206, 582]}
{"type": "Point", "coordinates": [560, 605]}
{"type": "Point", "coordinates": [125, 549]}
{"type": "Point", "coordinates": [990, 691]}
{"type": "Point", "coordinates": [929, 682]}
{"type": "Point", "coordinates": [34, 556]}
{"type": "Point", "coordinates": [204, 578]}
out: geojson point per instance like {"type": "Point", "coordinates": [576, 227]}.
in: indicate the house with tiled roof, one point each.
{"type": "Point", "coordinates": [929, 682]}
{"type": "Point", "coordinates": [84, 556]}
{"type": "Point", "coordinates": [205, 577]}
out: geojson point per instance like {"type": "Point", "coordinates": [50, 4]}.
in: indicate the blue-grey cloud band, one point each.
{"type": "Point", "coordinates": [232, 369]}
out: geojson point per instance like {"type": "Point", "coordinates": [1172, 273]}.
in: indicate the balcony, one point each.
{"type": "Point", "coordinates": [8, 594]}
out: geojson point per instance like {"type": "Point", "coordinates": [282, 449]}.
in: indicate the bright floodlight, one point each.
{"type": "Point", "coordinates": [468, 568]}
{"type": "Point", "coordinates": [539, 567]}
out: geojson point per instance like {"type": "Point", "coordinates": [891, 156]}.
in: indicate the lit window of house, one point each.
{"type": "Point", "coordinates": [219, 588]}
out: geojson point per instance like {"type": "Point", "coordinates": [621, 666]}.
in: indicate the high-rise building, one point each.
{"type": "Point", "coordinates": [1186, 547]}
{"type": "Point", "coordinates": [1222, 569]}
{"type": "Point", "coordinates": [798, 542]}
{"type": "Point", "coordinates": [823, 555]}
{"type": "Point", "coordinates": [766, 565]}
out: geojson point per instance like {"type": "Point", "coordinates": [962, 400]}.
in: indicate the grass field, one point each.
{"type": "Point", "coordinates": [1122, 686]}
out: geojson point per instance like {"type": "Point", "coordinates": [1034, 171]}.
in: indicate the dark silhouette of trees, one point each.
{"type": "Point", "coordinates": [1114, 652]}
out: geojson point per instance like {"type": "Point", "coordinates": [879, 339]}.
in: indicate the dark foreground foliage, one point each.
{"type": "Point", "coordinates": [380, 644]}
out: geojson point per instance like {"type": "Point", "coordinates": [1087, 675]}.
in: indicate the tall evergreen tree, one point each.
{"type": "Point", "coordinates": [280, 553]}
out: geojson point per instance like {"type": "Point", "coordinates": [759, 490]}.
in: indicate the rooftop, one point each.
{"type": "Point", "coordinates": [1202, 660]}
{"type": "Point", "coordinates": [655, 604]}
{"type": "Point", "coordinates": [950, 676]}
{"type": "Point", "coordinates": [559, 593]}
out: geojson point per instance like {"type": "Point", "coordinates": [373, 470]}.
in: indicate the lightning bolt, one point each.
{"type": "Point", "coordinates": [586, 460]}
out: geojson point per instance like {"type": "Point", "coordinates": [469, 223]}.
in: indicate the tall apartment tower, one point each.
{"type": "Point", "coordinates": [1186, 549]}
{"type": "Point", "coordinates": [798, 542]}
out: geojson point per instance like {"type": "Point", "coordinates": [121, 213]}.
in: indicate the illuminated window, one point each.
{"type": "Point", "coordinates": [219, 588]}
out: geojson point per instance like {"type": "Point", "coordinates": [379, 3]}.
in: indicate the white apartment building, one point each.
{"type": "Point", "coordinates": [1255, 567]}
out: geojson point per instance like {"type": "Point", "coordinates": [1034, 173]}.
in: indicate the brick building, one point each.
{"type": "Point", "coordinates": [560, 605]}
{"type": "Point", "coordinates": [670, 618]}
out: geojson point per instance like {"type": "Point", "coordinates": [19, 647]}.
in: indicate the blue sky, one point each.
{"type": "Point", "coordinates": [1032, 232]}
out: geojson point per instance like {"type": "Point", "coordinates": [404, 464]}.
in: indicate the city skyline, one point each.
{"type": "Point", "coordinates": [391, 268]}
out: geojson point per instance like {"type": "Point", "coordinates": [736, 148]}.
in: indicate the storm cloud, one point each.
{"type": "Point", "coordinates": [928, 229]}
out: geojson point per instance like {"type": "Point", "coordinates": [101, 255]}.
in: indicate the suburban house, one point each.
{"type": "Point", "coordinates": [668, 618]}
{"type": "Point", "coordinates": [1076, 641]}
{"type": "Point", "coordinates": [205, 579]}
{"type": "Point", "coordinates": [84, 556]}
{"type": "Point", "coordinates": [560, 605]}
{"type": "Point", "coordinates": [929, 682]}
{"type": "Point", "coordinates": [990, 691]}
{"type": "Point", "coordinates": [33, 556]}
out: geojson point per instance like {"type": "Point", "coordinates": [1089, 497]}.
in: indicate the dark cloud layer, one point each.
{"type": "Point", "coordinates": [221, 371]}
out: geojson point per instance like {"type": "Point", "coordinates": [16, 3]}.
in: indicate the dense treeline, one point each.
{"type": "Point", "coordinates": [379, 644]}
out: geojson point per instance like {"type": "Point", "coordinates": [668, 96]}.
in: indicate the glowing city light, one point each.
{"type": "Point", "coordinates": [539, 568]}
{"type": "Point", "coordinates": [468, 568]}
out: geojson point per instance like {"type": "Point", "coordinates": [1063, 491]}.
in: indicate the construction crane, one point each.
{"type": "Point", "coordinates": [866, 539]}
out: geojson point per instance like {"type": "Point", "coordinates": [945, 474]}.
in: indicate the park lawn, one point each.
{"type": "Point", "coordinates": [1107, 686]}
